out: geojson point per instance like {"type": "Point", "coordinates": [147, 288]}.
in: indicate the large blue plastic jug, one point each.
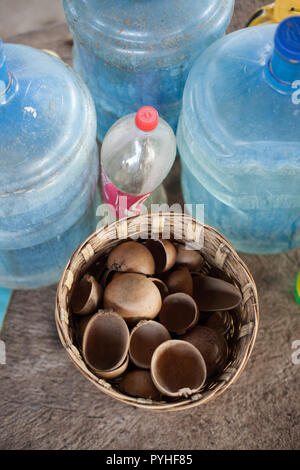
{"type": "Point", "coordinates": [239, 137]}
{"type": "Point", "coordinates": [48, 166]}
{"type": "Point", "coordinates": [138, 53]}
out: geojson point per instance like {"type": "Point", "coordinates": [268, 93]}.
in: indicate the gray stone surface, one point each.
{"type": "Point", "coordinates": [47, 404]}
{"type": "Point", "coordinates": [21, 16]}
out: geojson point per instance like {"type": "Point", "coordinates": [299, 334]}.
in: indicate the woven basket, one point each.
{"type": "Point", "coordinates": [220, 260]}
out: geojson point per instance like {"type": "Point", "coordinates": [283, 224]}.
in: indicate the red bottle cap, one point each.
{"type": "Point", "coordinates": [146, 118]}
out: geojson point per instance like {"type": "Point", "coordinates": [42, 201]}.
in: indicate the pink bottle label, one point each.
{"type": "Point", "coordinates": [123, 204]}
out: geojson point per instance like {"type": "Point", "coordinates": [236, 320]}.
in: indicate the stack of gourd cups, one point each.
{"type": "Point", "coordinates": [149, 321]}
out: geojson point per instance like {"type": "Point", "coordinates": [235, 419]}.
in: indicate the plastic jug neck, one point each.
{"type": "Point", "coordinates": [5, 78]}
{"type": "Point", "coordinates": [284, 71]}
{"type": "Point", "coordinates": [285, 62]}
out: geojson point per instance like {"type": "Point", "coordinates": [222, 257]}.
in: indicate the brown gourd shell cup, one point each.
{"type": "Point", "coordinates": [211, 344]}
{"type": "Point", "coordinates": [133, 296]}
{"type": "Point", "coordinates": [138, 383]}
{"type": "Point", "coordinates": [87, 296]}
{"type": "Point", "coordinates": [131, 257]}
{"type": "Point", "coordinates": [180, 281]}
{"type": "Point", "coordinates": [164, 254]}
{"type": "Point", "coordinates": [113, 373]}
{"type": "Point", "coordinates": [105, 342]}
{"type": "Point", "coordinates": [217, 255]}
{"type": "Point", "coordinates": [178, 368]}
{"type": "Point", "coordinates": [144, 339]}
{"type": "Point", "coordinates": [179, 313]}
{"type": "Point", "coordinates": [188, 258]}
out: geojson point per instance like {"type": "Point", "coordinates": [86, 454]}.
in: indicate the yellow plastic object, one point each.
{"type": "Point", "coordinates": [275, 12]}
{"type": "Point", "coordinates": [297, 288]}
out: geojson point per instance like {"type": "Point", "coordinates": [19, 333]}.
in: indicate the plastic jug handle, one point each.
{"type": "Point", "coordinates": [275, 12]}
{"type": "Point", "coordinates": [263, 15]}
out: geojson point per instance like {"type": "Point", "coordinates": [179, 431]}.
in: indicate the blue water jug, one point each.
{"type": "Point", "coordinates": [239, 137]}
{"type": "Point", "coordinates": [138, 53]}
{"type": "Point", "coordinates": [48, 166]}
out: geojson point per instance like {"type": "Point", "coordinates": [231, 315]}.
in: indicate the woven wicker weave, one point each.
{"type": "Point", "coordinates": [219, 257]}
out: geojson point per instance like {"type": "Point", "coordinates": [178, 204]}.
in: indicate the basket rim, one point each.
{"type": "Point", "coordinates": [62, 317]}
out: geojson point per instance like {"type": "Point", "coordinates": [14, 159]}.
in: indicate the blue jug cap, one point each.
{"type": "Point", "coordinates": [287, 38]}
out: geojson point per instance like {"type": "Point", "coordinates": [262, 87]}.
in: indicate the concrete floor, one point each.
{"type": "Point", "coordinates": [20, 16]}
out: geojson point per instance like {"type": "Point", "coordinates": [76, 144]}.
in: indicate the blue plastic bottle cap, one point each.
{"type": "Point", "coordinates": [287, 38]}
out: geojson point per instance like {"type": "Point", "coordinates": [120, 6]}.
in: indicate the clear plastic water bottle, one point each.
{"type": "Point", "coordinates": [136, 155]}
{"type": "Point", "coordinates": [239, 137]}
